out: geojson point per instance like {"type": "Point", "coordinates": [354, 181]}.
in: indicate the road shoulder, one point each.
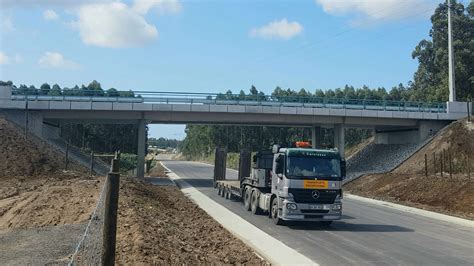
{"type": "Point", "coordinates": [265, 245]}
{"type": "Point", "coordinates": [421, 212]}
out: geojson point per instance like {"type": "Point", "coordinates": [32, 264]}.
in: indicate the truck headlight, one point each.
{"type": "Point", "coordinates": [291, 206]}
{"type": "Point", "coordinates": [337, 207]}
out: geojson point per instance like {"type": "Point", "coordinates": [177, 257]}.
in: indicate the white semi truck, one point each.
{"type": "Point", "coordinates": [291, 184]}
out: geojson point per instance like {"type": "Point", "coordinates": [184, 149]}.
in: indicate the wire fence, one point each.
{"type": "Point", "coordinates": [89, 248]}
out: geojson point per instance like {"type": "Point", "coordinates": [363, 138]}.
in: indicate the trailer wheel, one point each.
{"type": "Point", "coordinates": [227, 193]}
{"type": "Point", "coordinates": [254, 202]}
{"type": "Point", "coordinates": [223, 191]}
{"type": "Point", "coordinates": [246, 197]}
{"type": "Point", "coordinates": [274, 212]}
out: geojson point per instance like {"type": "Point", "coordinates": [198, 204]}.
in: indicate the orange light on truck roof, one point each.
{"type": "Point", "coordinates": [303, 144]}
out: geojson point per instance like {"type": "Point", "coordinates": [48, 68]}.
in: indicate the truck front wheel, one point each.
{"type": "Point", "coordinates": [274, 212]}
{"type": "Point", "coordinates": [247, 194]}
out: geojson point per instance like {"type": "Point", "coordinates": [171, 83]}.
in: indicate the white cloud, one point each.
{"type": "Point", "coordinates": [45, 3]}
{"type": "Point", "coordinates": [56, 60]}
{"type": "Point", "coordinates": [4, 59]}
{"type": "Point", "coordinates": [277, 30]}
{"type": "Point", "coordinates": [113, 25]}
{"type": "Point", "coordinates": [50, 15]}
{"type": "Point", "coordinates": [6, 24]}
{"type": "Point", "coordinates": [372, 10]}
{"type": "Point", "coordinates": [162, 6]}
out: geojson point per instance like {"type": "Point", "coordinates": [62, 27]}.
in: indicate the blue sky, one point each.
{"type": "Point", "coordinates": [211, 46]}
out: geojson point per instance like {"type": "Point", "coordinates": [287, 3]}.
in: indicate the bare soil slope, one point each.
{"type": "Point", "coordinates": [34, 190]}
{"type": "Point", "coordinates": [159, 225]}
{"type": "Point", "coordinates": [408, 185]}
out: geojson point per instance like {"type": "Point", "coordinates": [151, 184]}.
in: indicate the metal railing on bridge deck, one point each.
{"type": "Point", "coordinates": [235, 99]}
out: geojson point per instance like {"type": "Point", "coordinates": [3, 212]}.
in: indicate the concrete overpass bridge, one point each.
{"type": "Point", "coordinates": [394, 122]}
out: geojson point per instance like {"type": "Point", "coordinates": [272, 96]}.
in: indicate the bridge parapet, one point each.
{"type": "Point", "coordinates": [225, 103]}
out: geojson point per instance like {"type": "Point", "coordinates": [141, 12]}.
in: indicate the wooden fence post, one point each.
{"type": "Point", "coordinates": [92, 164]}
{"type": "Point", "coordinates": [66, 160]}
{"type": "Point", "coordinates": [450, 164]}
{"type": "Point", "coordinates": [426, 165]}
{"type": "Point", "coordinates": [441, 163]}
{"type": "Point", "coordinates": [26, 118]}
{"type": "Point", "coordinates": [468, 167]}
{"type": "Point", "coordinates": [110, 216]}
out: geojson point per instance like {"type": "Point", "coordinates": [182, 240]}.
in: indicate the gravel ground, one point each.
{"type": "Point", "coordinates": [39, 246]}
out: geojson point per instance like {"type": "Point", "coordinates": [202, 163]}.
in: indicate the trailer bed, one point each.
{"type": "Point", "coordinates": [229, 188]}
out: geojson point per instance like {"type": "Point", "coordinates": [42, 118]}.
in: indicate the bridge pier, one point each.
{"type": "Point", "coordinates": [339, 138]}
{"type": "Point", "coordinates": [142, 135]}
{"type": "Point", "coordinates": [316, 137]}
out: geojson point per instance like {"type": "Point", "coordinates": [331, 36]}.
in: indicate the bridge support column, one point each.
{"type": "Point", "coordinates": [339, 138]}
{"type": "Point", "coordinates": [142, 135]}
{"type": "Point", "coordinates": [5, 93]}
{"type": "Point", "coordinates": [316, 137]}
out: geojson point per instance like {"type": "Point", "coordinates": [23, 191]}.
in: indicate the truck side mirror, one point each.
{"type": "Point", "coordinates": [343, 168]}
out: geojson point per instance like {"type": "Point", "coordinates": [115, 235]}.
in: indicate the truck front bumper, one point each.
{"type": "Point", "coordinates": [311, 212]}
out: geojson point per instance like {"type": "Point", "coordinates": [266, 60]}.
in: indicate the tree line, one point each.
{"type": "Point", "coordinates": [164, 143]}
{"type": "Point", "coordinates": [94, 88]}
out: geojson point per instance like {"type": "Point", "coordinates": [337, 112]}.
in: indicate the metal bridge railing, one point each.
{"type": "Point", "coordinates": [237, 99]}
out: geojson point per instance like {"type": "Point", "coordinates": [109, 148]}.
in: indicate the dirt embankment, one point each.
{"type": "Point", "coordinates": [408, 184]}
{"type": "Point", "coordinates": [35, 191]}
{"type": "Point", "coordinates": [156, 224]}
{"type": "Point", "coordinates": [159, 225]}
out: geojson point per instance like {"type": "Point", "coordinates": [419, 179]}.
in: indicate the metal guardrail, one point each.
{"type": "Point", "coordinates": [237, 99]}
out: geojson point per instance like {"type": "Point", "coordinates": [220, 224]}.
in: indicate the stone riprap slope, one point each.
{"type": "Point", "coordinates": [378, 158]}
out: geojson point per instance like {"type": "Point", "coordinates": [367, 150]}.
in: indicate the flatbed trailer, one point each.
{"type": "Point", "coordinates": [229, 189]}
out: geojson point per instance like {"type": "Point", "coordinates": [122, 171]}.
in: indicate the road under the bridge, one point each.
{"type": "Point", "coordinates": [368, 234]}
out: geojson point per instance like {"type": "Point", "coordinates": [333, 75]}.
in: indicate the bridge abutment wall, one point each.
{"type": "Point", "coordinates": [418, 134]}
{"type": "Point", "coordinates": [5, 92]}
{"type": "Point", "coordinates": [34, 120]}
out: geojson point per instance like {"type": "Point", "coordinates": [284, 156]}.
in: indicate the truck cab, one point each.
{"type": "Point", "coordinates": [306, 185]}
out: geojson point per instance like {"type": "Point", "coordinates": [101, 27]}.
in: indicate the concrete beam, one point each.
{"type": "Point", "coordinates": [142, 135]}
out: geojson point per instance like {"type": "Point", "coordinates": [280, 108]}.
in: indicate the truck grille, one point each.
{"type": "Point", "coordinates": [314, 211]}
{"type": "Point", "coordinates": [302, 195]}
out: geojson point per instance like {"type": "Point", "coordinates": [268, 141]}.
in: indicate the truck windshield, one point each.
{"type": "Point", "coordinates": [314, 167]}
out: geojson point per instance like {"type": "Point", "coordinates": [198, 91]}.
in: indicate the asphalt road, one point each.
{"type": "Point", "coordinates": [368, 234]}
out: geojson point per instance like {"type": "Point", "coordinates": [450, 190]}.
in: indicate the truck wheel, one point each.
{"type": "Point", "coordinates": [254, 202]}
{"type": "Point", "coordinates": [274, 212]}
{"type": "Point", "coordinates": [247, 199]}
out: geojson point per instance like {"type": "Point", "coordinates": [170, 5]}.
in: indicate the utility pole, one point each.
{"type": "Point", "coordinates": [452, 88]}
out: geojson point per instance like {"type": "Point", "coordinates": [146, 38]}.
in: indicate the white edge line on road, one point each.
{"type": "Point", "coordinates": [425, 213]}
{"type": "Point", "coordinates": [272, 249]}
